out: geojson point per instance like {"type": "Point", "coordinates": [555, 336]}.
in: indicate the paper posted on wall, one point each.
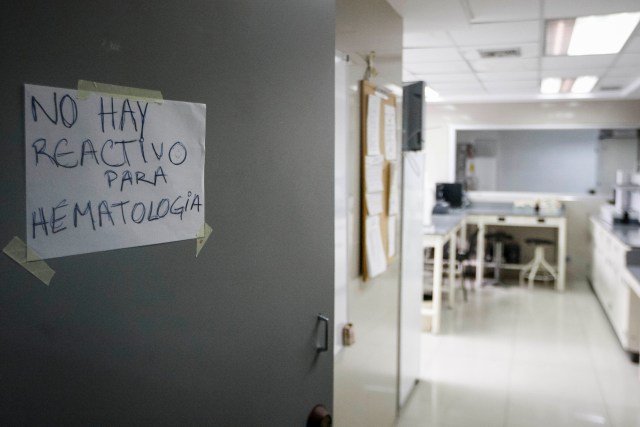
{"type": "Point", "coordinates": [376, 258]}
{"type": "Point", "coordinates": [390, 142]}
{"type": "Point", "coordinates": [374, 203]}
{"type": "Point", "coordinates": [373, 125]}
{"type": "Point", "coordinates": [373, 173]}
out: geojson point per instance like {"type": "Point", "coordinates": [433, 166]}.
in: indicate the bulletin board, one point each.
{"type": "Point", "coordinates": [380, 203]}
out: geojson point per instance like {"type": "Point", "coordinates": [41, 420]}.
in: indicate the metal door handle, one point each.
{"type": "Point", "coordinates": [325, 345]}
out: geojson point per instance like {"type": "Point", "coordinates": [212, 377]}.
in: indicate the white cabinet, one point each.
{"type": "Point", "coordinates": [610, 283]}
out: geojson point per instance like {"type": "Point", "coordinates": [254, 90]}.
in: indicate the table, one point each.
{"type": "Point", "coordinates": [446, 227]}
{"type": "Point", "coordinates": [505, 214]}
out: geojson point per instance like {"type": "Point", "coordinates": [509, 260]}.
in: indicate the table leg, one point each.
{"type": "Point", "coordinates": [562, 255]}
{"type": "Point", "coordinates": [437, 287]}
{"type": "Point", "coordinates": [452, 268]}
{"type": "Point", "coordinates": [480, 255]}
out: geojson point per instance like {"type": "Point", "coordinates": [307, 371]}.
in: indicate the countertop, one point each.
{"type": "Point", "coordinates": [442, 224]}
{"type": "Point", "coordinates": [628, 234]}
{"type": "Point", "coordinates": [491, 208]}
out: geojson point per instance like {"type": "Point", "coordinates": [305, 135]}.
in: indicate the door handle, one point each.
{"type": "Point", "coordinates": [319, 417]}
{"type": "Point", "coordinates": [324, 346]}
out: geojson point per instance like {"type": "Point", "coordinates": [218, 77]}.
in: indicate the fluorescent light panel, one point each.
{"type": "Point", "coordinates": [550, 85]}
{"type": "Point", "coordinates": [590, 35]}
{"type": "Point", "coordinates": [558, 36]}
{"type": "Point", "coordinates": [582, 84]}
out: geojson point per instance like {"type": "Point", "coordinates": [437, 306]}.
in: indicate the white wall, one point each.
{"type": "Point", "coordinates": [366, 374]}
{"type": "Point", "coordinates": [546, 160]}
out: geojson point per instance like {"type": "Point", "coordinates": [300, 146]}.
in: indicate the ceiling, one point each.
{"type": "Point", "coordinates": [442, 40]}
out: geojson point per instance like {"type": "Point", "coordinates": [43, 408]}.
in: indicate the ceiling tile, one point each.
{"type": "Point", "coordinates": [449, 78]}
{"type": "Point", "coordinates": [439, 67]}
{"type": "Point", "coordinates": [633, 45]}
{"type": "Point", "coordinates": [442, 39]}
{"type": "Point", "coordinates": [505, 64]}
{"type": "Point", "coordinates": [573, 62]}
{"type": "Point", "coordinates": [419, 37]}
{"type": "Point", "coordinates": [430, 55]}
{"type": "Point", "coordinates": [527, 50]}
{"type": "Point", "coordinates": [508, 76]}
{"type": "Point", "coordinates": [494, 11]}
{"type": "Point", "coordinates": [512, 87]}
{"type": "Point", "coordinates": [458, 88]}
{"type": "Point", "coordinates": [612, 82]}
{"type": "Point", "coordinates": [573, 72]}
{"type": "Point", "coordinates": [571, 8]}
{"type": "Point", "coordinates": [437, 15]}
{"type": "Point", "coordinates": [515, 32]}
{"type": "Point", "coordinates": [623, 72]}
{"type": "Point", "coordinates": [628, 60]}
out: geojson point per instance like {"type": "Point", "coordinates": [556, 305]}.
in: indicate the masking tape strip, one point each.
{"type": "Point", "coordinates": [202, 237]}
{"type": "Point", "coordinates": [86, 87]}
{"type": "Point", "coordinates": [18, 251]}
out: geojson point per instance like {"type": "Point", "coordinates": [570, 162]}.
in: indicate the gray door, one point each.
{"type": "Point", "coordinates": [153, 335]}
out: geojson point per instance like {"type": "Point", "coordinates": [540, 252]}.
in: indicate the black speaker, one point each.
{"type": "Point", "coordinates": [412, 115]}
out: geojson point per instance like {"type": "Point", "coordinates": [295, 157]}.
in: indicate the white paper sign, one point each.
{"type": "Point", "coordinates": [390, 142]}
{"type": "Point", "coordinates": [108, 172]}
{"type": "Point", "coordinates": [373, 125]}
{"type": "Point", "coordinates": [374, 203]}
{"type": "Point", "coordinates": [373, 173]}
{"type": "Point", "coordinates": [394, 199]}
{"type": "Point", "coordinates": [376, 257]}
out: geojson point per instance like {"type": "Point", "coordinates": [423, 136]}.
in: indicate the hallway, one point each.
{"type": "Point", "coordinates": [510, 357]}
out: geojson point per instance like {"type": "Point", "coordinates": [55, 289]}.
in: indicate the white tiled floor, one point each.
{"type": "Point", "coordinates": [510, 357]}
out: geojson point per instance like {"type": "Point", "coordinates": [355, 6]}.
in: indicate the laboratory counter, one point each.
{"type": "Point", "coordinates": [615, 272]}
{"type": "Point", "coordinates": [627, 234]}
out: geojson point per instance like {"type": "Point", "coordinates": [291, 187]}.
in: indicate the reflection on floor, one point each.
{"type": "Point", "coordinates": [510, 357]}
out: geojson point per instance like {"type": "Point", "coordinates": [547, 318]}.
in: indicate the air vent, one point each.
{"type": "Point", "coordinates": [501, 53]}
{"type": "Point", "coordinates": [610, 88]}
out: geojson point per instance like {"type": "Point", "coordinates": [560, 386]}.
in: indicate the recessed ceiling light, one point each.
{"type": "Point", "coordinates": [604, 34]}
{"type": "Point", "coordinates": [584, 84]}
{"type": "Point", "coordinates": [558, 36]}
{"type": "Point", "coordinates": [590, 35]}
{"type": "Point", "coordinates": [550, 85]}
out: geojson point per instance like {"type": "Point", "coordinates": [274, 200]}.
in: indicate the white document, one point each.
{"type": "Point", "coordinates": [373, 125]}
{"type": "Point", "coordinates": [106, 172]}
{"type": "Point", "coordinates": [376, 258]}
{"type": "Point", "coordinates": [394, 198]}
{"type": "Point", "coordinates": [390, 142]}
{"type": "Point", "coordinates": [374, 203]}
{"type": "Point", "coordinates": [373, 177]}
{"type": "Point", "coordinates": [391, 234]}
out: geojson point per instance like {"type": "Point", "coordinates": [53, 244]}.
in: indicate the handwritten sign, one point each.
{"type": "Point", "coordinates": [106, 172]}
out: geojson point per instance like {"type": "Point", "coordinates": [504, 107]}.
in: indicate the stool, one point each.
{"type": "Point", "coordinates": [498, 238]}
{"type": "Point", "coordinates": [531, 270]}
